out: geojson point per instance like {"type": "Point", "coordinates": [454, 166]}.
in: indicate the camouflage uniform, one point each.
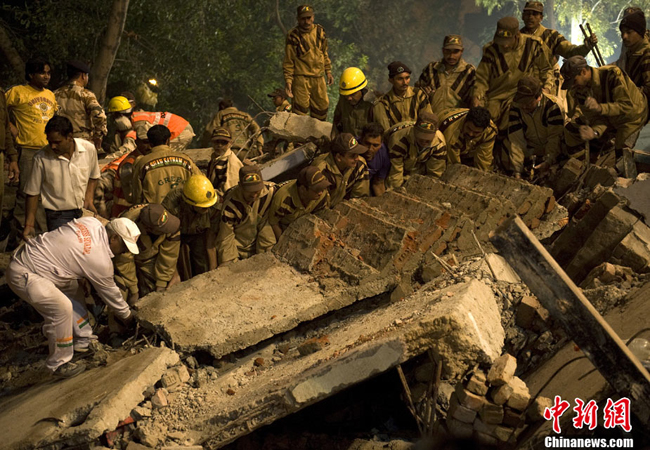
{"type": "Point", "coordinates": [7, 149]}
{"type": "Point", "coordinates": [391, 109]}
{"type": "Point", "coordinates": [223, 171]}
{"type": "Point", "coordinates": [241, 127]}
{"type": "Point", "coordinates": [636, 64]}
{"type": "Point", "coordinates": [84, 111]}
{"type": "Point", "coordinates": [351, 119]}
{"type": "Point", "coordinates": [406, 158]}
{"type": "Point", "coordinates": [287, 207]}
{"type": "Point", "coordinates": [476, 152]}
{"type": "Point", "coordinates": [353, 183]}
{"type": "Point", "coordinates": [154, 266]}
{"type": "Point", "coordinates": [451, 89]}
{"type": "Point", "coordinates": [244, 229]}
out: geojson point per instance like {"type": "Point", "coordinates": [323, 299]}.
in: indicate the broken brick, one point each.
{"type": "Point", "coordinates": [259, 362]}
{"type": "Point", "coordinates": [502, 370]}
{"type": "Point", "coordinates": [491, 413]}
{"type": "Point", "coordinates": [520, 395]}
{"type": "Point", "coordinates": [501, 394]}
{"type": "Point", "coordinates": [477, 383]}
{"type": "Point", "coordinates": [459, 412]}
{"type": "Point", "coordinates": [159, 399]}
{"type": "Point", "coordinates": [469, 399]}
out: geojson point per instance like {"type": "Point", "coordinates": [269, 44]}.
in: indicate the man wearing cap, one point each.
{"type": "Point", "coordinates": [448, 82]}
{"type": "Point", "coordinates": [602, 99]}
{"type": "Point", "coordinates": [242, 128]}
{"type": "Point", "coordinates": [45, 273]}
{"type": "Point", "coordinates": [123, 140]}
{"type": "Point", "coordinates": [626, 12]}
{"type": "Point", "coordinates": [154, 266]}
{"type": "Point", "coordinates": [416, 148]}
{"type": "Point", "coordinates": [280, 101]}
{"type": "Point", "coordinates": [64, 175]}
{"type": "Point", "coordinates": [296, 198]}
{"type": "Point", "coordinates": [352, 111]}
{"type": "Point", "coordinates": [470, 135]}
{"type": "Point", "coordinates": [81, 106]}
{"type": "Point", "coordinates": [508, 58]}
{"type": "Point", "coordinates": [196, 205]}
{"type": "Point", "coordinates": [345, 169]}
{"type": "Point", "coordinates": [161, 169]}
{"type": "Point", "coordinates": [305, 62]}
{"type": "Point", "coordinates": [223, 168]}
{"type": "Point", "coordinates": [376, 157]}
{"type": "Point", "coordinates": [635, 60]}
{"type": "Point", "coordinates": [402, 103]}
{"type": "Point", "coordinates": [535, 128]}
{"type": "Point", "coordinates": [244, 228]}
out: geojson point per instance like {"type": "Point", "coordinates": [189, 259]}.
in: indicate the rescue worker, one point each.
{"type": "Point", "coordinates": [180, 129]}
{"type": "Point", "coordinates": [345, 169]}
{"type": "Point", "coordinates": [352, 111]}
{"type": "Point", "coordinates": [627, 11]}
{"type": "Point", "coordinates": [224, 165]}
{"type": "Point", "coordinates": [242, 128]}
{"type": "Point", "coordinates": [415, 148]}
{"type": "Point", "coordinates": [376, 157]}
{"type": "Point", "coordinates": [123, 141]}
{"type": "Point", "coordinates": [7, 150]}
{"type": "Point", "coordinates": [244, 228]}
{"type": "Point", "coordinates": [45, 273]}
{"type": "Point", "coordinates": [154, 266]}
{"type": "Point", "coordinates": [556, 44]}
{"type": "Point", "coordinates": [195, 204]}
{"type": "Point", "coordinates": [602, 100]}
{"type": "Point", "coordinates": [470, 135]}
{"type": "Point", "coordinates": [448, 82]}
{"type": "Point", "coordinates": [161, 169]}
{"type": "Point", "coordinates": [81, 106]}
{"type": "Point", "coordinates": [402, 103]}
{"type": "Point", "coordinates": [636, 59]}
{"type": "Point", "coordinates": [296, 198]}
{"type": "Point", "coordinates": [280, 101]}
{"type": "Point", "coordinates": [508, 58]}
{"type": "Point", "coordinates": [305, 62]}
{"type": "Point", "coordinates": [535, 128]}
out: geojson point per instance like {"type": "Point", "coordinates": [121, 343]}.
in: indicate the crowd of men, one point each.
{"type": "Point", "coordinates": [166, 220]}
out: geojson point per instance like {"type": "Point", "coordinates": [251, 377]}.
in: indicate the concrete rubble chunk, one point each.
{"type": "Point", "coordinates": [460, 429]}
{"type": "Point", "coordinates": [294, 127]}
{"type": "Point", "coordinates": [96, 401]}
{"type": "Point", "coordinates": [637, 195]}
{"type": "Point", "coordinates": [477, 383]}
{"type": "Point", "coordinates": [501, 269]}
{"type": "Point", "coordinates": [634, 250]}
{"type": "Point", "coordinates": [520, 395]}
{"type": "Point", "coordinates": [503, 433]}
{"type": "Point", "coordinates": [140, 413]}
{"type": "Point", "coordinates": [482, 427]}
{"type": "Point", "coordinates": [468, 399]}
{"type": "Point", "coordinates": [535, 412]}
{"type": "Point", "coordinates": [459, 412]}
{"type": "Point", "coordinates": [135, 446]}
{"type": "Point", "coordinates": [512, 418]}
{"type": "Point", "coordinates": [502, 370]}
{"type": "Point", "coordinates": [159, 399]}
{"type": "Point", "coordinates": [491, 413]}
{"type": "Point", "coordinates": [501, 394]}
{"type": "Point", "coordinates": [528, 311]}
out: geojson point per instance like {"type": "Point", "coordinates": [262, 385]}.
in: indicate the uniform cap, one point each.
{"type": "Point", "coordinates": [128, 231]}
{"type": "Point", "coordinates": [632, 9]}
{"type": "Point", "coordinates": [279, 92]}
{"type": "Point", "coordinates": [635, 22]}
{"type": "Point", "coordinates": [352, 80]}
{"type": "Point", "coordinates": [426, 125]}
{"type": "Point", "coordinates": [534, 6]}
{"type": "Point", "coordinates": [528, 88]}
{"type": "Point", "coordinates": [79, 65]}
{"type": "Point", "coordinates": [198, 191]}
{"type": "Point", "coordinates": [452, 42]}
{"type": "Point", "coordinates": [221, 134]}
{"type": "Point", "coordinates": [572, 67]}
{"type": "Point", "coordinates": [250, 178]}
{"type": "Point", "coordinates": [345, 143]}
{"type": "Point", "coordinates": [305, 11]}
{"type": "Point", "coordinates": [397, 67]}
{"type": "Point", "coordinates": [507, 29]}
{"type": "Point", "coordinates": [312, 178]}
{"type": "Point", "coordinates": [156, 218]}
{"type": "Point", "coordinates": [141, 128]}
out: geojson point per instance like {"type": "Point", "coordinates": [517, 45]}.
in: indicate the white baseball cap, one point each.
{"type": "Point", "coordinates": [128, 231]}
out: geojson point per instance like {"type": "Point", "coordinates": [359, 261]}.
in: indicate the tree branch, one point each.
{"type": "Point", "coordinates": [278, 18]}
{"type": "Point", "coordinates": [11, 53]}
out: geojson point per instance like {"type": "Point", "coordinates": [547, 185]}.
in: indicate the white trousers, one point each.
{"type": "Point", "coordinates": [63, 308]}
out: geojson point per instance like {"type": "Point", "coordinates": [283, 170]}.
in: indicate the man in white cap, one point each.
{"type": "Point", "coordinates": [45, 272]}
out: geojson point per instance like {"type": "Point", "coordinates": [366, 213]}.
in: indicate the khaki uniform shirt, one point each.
{"type": "Point", "coordinates": [6, 139]}
{"type": "Point", "coordinates": [351, 119]}
{"type": "Point", "coordinates": [475, 152]}
{"type": "Point", "coordinates": [240, 124]}
{"type": "Point", "coordinates": [223, 172]}
{"type": "Point", "coordinates": [244, 229]}
{"type": "Point", "coordinates": [353, 183]}
{"type": "Point", "coordinates": [306, 53]}
{"type": "Point", "coordinates": [287, 207]}
{"type": "Point", "coordinates": [284, 107]}
{"type": "Point", "coordinates": [539, 133]}
{"type": "Point", "coordinates": [637, 65]}
{"type": "Point", "coordinates": [391, 109]}
{"type": "Point", "coordinates": [84, 111]}
{"type": "Point", "coordinates": [192, 223]}
{"type": "Point", "coordinates": [157, 173]}
{"type": "Point", "coordinates": [160, 250]}
{"type": "Point", "coordinates": [451, 89]}
{"type": "Point", "coordinates": [406, 158]}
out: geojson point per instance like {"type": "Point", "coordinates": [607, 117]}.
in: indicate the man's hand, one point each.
{"type": "Point", "coordinates": [90, 206]}
{"type": "Point", "coordinates": [28, 232]}
{"type": "Point", "coordinates": [176, 278]}
{"type": "Point", "coordinates": [287, 88]}
{"type": "Point", "coordinates": [592, 105]}
{"type": "Point", "coordinates": [542, 168]}
{"type": "Point", "coordinates": [330, 78]}
{"type": "Point", "coordinates": [14, 130]}
{"type": "Point", "coordinates": [97, 140]}
{"type": "Point", "coordinates": [160, 289]}
{"type": "Point", "coordinates": [133, 298]}
{"type": "Point", "coordinates": [428, 89]}
{"type": "Point", "coordinates": [586, 133]}
{"type": "Point", "coordinates": [591, 41]}
{"type": "Point", "coordinates": [14, 172]}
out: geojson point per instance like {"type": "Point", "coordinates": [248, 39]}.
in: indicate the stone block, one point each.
{"type": "Point", "coordinates": [528, 311]}
{"type": "Point", "coordinates": [469, 399]}
{"type": "Point", "coordinates": [536, 411]}
{"type": "Point", "coordinates": [140, 413]}
{"type": "Point", "coordinates": [501, 394]}
{"type": "Point", "coordinates": [503, 434]}
{"type": "Point", "coordinates": [477, 383]}
{"type": "Point", "coordinates": [459, 429]}
{"type": "Point", "coordinates": [183, 373]}
{"type": "Point", "coordinates": [170, 379]}
{"type": "Point", "coordinates": [460, 412]}
{"type": "Point", "coordinates": [512, 418]}
{"type": "Point", "coordinates": [151, 433]}
{"type": "Point", "coordinates": [502, 370]}
{"type": "Point", "coordinates": [294, 127]}
{"type": "Point", "coordinates": [500, 269]}
{"type": "Point", "coordinates": [491, 413]}
{"type": "Point", "coordinates": [520, 394]}
{"type": "Point", "coordinates": [482, 427]}
{"type": "Point", "coordinates": [567, 176]}
{"type": "Point", "coordinates": [634, 250]}
{"type": "Point", "coordinates": [159, 399]}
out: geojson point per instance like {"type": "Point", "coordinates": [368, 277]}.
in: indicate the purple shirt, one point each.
{"type": "Point", "coordinates": [380, 164]}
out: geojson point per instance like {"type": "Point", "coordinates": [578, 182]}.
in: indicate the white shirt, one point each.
{"type": "Point", "coordinates": [78, 249]}
{"type": "Point", "coordinates": [61, 182]}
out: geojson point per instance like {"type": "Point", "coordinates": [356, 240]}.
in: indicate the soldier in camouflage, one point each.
{"type": "Point", "coordinates": [242, 128]}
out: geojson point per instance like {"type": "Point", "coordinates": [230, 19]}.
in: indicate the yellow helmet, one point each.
{"type": "Point", "coordinates": [352, 80]}
{"type": "Point", "coordinates": [198, 191]}
{"type": "Point", "coordinates": [119, 104]}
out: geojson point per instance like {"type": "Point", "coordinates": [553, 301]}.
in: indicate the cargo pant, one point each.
{"type": "Point", "coordinates": [310, 96]}
{"type": "Point", "coordinates": [67, 323]}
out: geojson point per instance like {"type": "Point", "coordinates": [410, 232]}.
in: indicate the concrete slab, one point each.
{"type": "Point", "coordinates": [292, 127]}
{"type": "Point", "coordinates": [79, 410]}
{"type": "Point", "coordinates": [637, 195]}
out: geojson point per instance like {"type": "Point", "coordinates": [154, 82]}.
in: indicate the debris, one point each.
{"type": "Point", "coordinates": [159, 399]}
{"type": "Point", "coordinates": [502, 370]}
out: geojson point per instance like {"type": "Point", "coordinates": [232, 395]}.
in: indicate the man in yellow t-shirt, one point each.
{"type": "Point", "coordinates": [30, 107]}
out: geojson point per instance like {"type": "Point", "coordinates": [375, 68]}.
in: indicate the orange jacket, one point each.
{"type": "Point", "coordinates": [175, 123]}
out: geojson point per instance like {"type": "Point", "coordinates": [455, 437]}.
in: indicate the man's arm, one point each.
{"type": "Point", "coordinates": [289, 65]}
{"type": "Point", "coordinates": [32, 191]}
{"type": "Point", "coordinates": [89, 198]}
{"type": "Point", "coordinates": [543, 64]}
{"type": "Point", "coordinates": [166, 260]}
{"type": "Point", "coordinates": [516, 141]}
{"type": "Point", "coordinates": [437, 163]}
{"type": "Point", "coordinates": [381, 116]}
{"type": "Point", "coordinates": [31, 204]}
{"type": "Point", "coordinates": [97, 118]}
{"type": "Point", "coordinates": [125, 267]}
{"type": "Point", "coordinates": [226, 243]}
{"type": "Point", "coordinates": [484, 151]}
{"type": "Point", "coordinates": [482, 81]}
{"type": "Point", "coordinates": [378, 186]}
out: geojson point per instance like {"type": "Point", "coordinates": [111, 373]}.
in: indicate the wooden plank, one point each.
{"type": "Point", "coordinates": [566, 303]}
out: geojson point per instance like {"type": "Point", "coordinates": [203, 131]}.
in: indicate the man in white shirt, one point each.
{"type": "Point", "coordinates": [45, 272]}
{"type": "Point", "coordinates": [64, 173]}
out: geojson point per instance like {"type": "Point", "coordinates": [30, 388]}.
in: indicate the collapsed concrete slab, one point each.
{"type": "Point", "coordinates": [292, 127]}
{"type": "Point", "coordinates": [79, 410]}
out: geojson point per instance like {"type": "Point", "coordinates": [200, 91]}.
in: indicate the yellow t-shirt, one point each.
{"type": "Point", "coordinates": [31, 110]}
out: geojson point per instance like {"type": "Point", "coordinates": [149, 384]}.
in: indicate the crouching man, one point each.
{"type": "Point", "coordinates": [45, 272]}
